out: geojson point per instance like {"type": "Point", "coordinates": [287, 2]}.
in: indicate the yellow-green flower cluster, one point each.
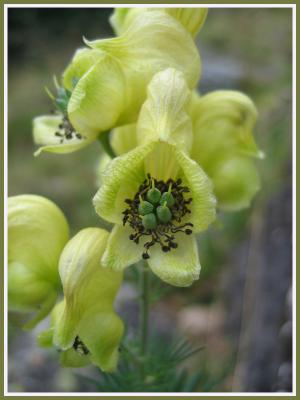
{"type": "Point", "coordinates": [180, 157]}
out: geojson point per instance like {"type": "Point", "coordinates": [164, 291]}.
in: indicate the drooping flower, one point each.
{"type": "Point", "coordinates": [84, 325]}
{"type": "Point", "coordinates": [37, 233]}
{"type": "Point", "coordinates": [223, 144]}
{"type": "Point", "coordinates": [156, 196]}
{"type": "Point", "coordinates": [111, 77]}
{"type": "Point", "coordinates": [191, 18]}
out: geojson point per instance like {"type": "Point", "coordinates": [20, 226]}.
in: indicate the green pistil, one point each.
{"type": "Point", "coordinates": [156, 213]}
{"type": "Point", "coordinates": [149, 221]}
{"type": "Point", "coordinates": [153, 195]}
{"type": "Point", "coordinates": [167, 197]}
{"type": "Point", "coordinates": [163, 213]}
{"type": "Point", "coordinates": [145, 207]}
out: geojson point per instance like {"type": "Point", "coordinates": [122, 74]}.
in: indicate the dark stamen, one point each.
{"type": "Point", "coordinates": [80, 347]}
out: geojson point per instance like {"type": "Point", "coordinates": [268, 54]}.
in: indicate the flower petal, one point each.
{"type": "Point", "coordinates": [120, 181]}
{"type": "Point", "coordinates": [191, 18]}
{"type": "Point", "coordinates": [123, 139]}
{"type": "Point", "coordinates": [142, 51]}
{"type": "Point", "coordinates": [236, 181]}
{"type": "Point", "coordinates": [72, 359]}
{"type": "Point", "coordinates": [90, 291]}
{"type": "Point", "coordinates": [179, 267]}
{"type": "Point", "coordinates": [223, 123]}
{"type": "Point", "coordinates": [98, 98]}
{"type": "Point", "coordinates": [101, 333]}
{"type": "Point", "coordinates": [37, 233]}
{"type": "Point", "coordinates": [82, 61]}
{"type": "Point", "coordinates": [44, 129]}
{"type": "Point", "coordinates": [203, 205]}
{"type": "Point", "coordinates": [104, 160]}
{"type": "Point", "coordinates": [121, 252]}
{"type": "Point", "coordinates": [164, 116]}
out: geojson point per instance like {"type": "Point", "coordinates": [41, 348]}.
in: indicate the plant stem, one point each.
{"type": "Point", "coordinates": [144, 309]}
{"type": "Point", "coordinates": [105, 143]}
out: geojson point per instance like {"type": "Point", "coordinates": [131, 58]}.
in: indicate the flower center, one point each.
{"type": "Point", "coordinates": [66, 130]}
{"type": "Point", "coordinates": [156, 211]}
{"type": "Point", "coordinates": [80, 347]}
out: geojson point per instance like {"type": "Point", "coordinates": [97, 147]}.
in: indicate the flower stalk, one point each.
{"type": "Point", "coordinates": [144, 308]}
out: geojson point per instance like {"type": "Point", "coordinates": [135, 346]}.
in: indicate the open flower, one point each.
{"type": "Point", "coordinates": [156, 196]}
{"type": "Point", "coordinates": [37, 233]}
{"type": "Point", "coordinates": [111, 77]}
{"type": "Point", "coordinates": [191, 18]}
{"type": "Point", "coordinates": [222, 143]}
{"type": "Point", "coordinates": [85, 325]}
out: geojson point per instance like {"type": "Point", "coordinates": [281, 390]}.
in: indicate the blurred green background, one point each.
{"type": "Point", "coordinates": [240, 309]}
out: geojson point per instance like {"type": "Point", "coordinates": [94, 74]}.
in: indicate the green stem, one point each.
{"type": "Point", "coordinates": [105, 143]}
{"type": "Point", "coordinates": [144, 310]}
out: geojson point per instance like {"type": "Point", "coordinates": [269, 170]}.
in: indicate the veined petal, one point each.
{"type": "Point", "coordinates": [143, 52]}
{"type": "Point", "coordinates": [121, 252]}
{"type": "Point", "coordinates": [223, 123]}
{"type": "Point", "coordinates": [82, 61]}
{"type": "Point", "coordinates": [179, 267]}
{"type": "Point", "coordinates": [105, 159]}
{"type": "Point", "coordinates": [121, 18]}
{"type": "Point", "coordinates": [164, 116]}
{"type": "Point", "coordinates": [72, 359]}
{"type": "Point", "coordinates": [98, 98]}
{"type": "Point", "coordinates": [204, 203]}
{"type": "Point", "coordinates": [123, 139]}
{"type": "Point", "coordinates": [89, 292]}
{"type": "Point", "coordinates": [102, 333]}
{"type": "Point", "coordinates": [37, 233]}
{"type": "Point", "coordinates": [68, 358]}
{"type": "Point", "coordinates": [191, 18]}
{"type": "Point", "coordinates": [236, 181]}
{"type": "Point", "coordinates": [44, 134]}
{"type": "Point", "coordinates": [120, 181]}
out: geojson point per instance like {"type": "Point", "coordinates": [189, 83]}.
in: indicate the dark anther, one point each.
{"type": "Point", "coordinates": [145, 256]}
{"type": "Point", "coordinates": [188, 231]}
{"type": "Point", "coordinates": [67, 131]}
{"type": "Point", "coordinates": [80, 347]}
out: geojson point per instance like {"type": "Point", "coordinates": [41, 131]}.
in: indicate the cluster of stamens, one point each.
{"type": "Point", "coordinates": [80, 347]}
{"type": "Point", "coordinates": [157, 210]}
{"type": "Point", "coordinates": [66, 131]}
